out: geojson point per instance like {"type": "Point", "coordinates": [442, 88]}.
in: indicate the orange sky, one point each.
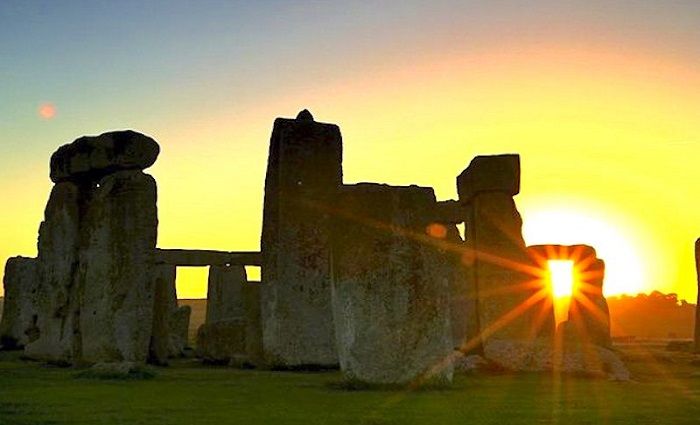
{"type": "Point", "coordinates": [608, 128]}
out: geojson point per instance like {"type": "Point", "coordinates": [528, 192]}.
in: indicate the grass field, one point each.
{"type": "Point", "coordinates": [666, 391]}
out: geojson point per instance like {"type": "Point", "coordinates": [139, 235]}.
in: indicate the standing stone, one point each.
{"type": "Point", "coordinates": [59, 240]}
{"type": "Point", "coordinates": [222, 342]}
{"type": "Point", "coordinates": [164, 305]}
{"type": "Point", "coordinates": [18, 325]}
{"type": "Point", "coordinates": [234, 338]}
{"type": "Point", "coordinates": [697, 304]}
{"type": "Point", "coordinates": [589, 316]}
{"type": "Point", "coordinates": [391, 300]}
{"type": "Point", "coordinates": [224, 293]}
{"type": "Point", "coordinates": [179, 325]}
{"type": "Point", "coordinates": [510, 299]}
{"type": "Point", "coordinates": [116, 280]}
{"type": "Point", "coordinates": [303, 174]}
{"type": "Point", "coordinates": [253, 323]}
{"type": "Point", "coordinates": [464, 304]}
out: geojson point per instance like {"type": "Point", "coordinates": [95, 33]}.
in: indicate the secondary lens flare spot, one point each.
{"type": "Point", "coordinates": [47, 111]}
{"type": "Point", "coordinates": [436, 230]}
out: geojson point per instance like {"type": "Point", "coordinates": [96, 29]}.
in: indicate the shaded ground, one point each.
{"type": "Point", "coordinates": [667, 391]}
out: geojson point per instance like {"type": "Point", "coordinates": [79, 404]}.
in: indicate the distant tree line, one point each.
{"type": "Point", "coordinates": [655, 316]}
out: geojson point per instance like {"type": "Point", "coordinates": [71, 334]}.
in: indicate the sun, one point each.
{"type": "Point", "coordinates": [560, 277]}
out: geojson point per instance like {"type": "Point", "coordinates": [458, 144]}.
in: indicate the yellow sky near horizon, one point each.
{"type": "Point", "coordinates": [608, 142]}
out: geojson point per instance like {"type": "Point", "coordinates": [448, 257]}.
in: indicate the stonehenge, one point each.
{"type": "Point", "coordinates": [20, 312]}
{"type": "Point", "coordinates": [170, 322]}
{"type": "Point", "coordinates": [225, 293]}
{"type": "Point", "coordinates": [304, 172]}
{"type": "Point", "coordinates": [588, 316]}
{"type": "Point", "coordinates": [370, 278]}
{"type": "Point", "coordinates": [391, 300]}
{"type": "Point", "coordinates": [511, 303]}
{"type": "Point", "coordinates": [96, 252]}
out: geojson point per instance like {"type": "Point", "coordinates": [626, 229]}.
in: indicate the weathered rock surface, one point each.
{"type": "Point", "coordinates": [59, 241]}
{"type": "Point", "coordinates": [303, 174]}
{"type": "Point", "coordinates": [18, 325]}
{"type": "Point", "coordinates": [93, 157]}
{"type": "Point", "coordinates": [390, 287]}
{"type": "Point", "coordinates": [225, 293]}
{"type": "Point", "coordinates": [463, 297]}
{"type": "Point", "coordinates": [223, 342]}
{"type": "Point", "coordinates": [164, 306]}
{"type": "Point", "coordinates": [179, 324]}
{"type": "Point", "coordinates": [117, 285]}
{"type": "Point", "coordinates": [537, 356]}
{"type": "Point", "coordinates": [253, 323]}
{"type": "Point", "coordinates": [513, 304]}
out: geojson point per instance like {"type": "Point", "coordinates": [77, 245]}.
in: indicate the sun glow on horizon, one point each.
{"type": "Point", "coordinates": [625, 269]}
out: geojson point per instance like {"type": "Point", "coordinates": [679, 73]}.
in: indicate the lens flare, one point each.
{"type": "Point", "coordinates": [47, 111]}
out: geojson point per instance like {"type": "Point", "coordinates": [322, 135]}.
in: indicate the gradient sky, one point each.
{"type": "Point", "coordinates": [601, 99]}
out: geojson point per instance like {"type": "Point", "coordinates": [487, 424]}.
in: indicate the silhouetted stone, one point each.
{"type": "Point", "coordinates": [511, 302]}
{"type": "Point", "coordinates": [179, 325]}
{"type": "Point", "coordinates": [164, 305]}
{"type": "Point", "coordinates": [303, 174]}
{"type": "Point", "coordinates": [20, 313]}
{"type": "Point", "coordinates": [117, 285]}
{"type": "Point", "coordinates": [222, 342]}
{"type": "Point", "coordinates": [390, 286]}
{"type": "Point", "coordinates": [697, 304]}
{"type": "Point", "coordinates": [463, 302]}
{"type": "Point", "coordinates": [57, 302]}
{"type": "Point", "coordinates": [576, 253]}
{"type": "Point", "coordinates": [305, 115]}
{"type": "Point", "coordinates": [495, 173]}
{"type": "Point", "coordinates": [224, 293]}
{"type": "Point", "coordinates": [93, 157]}
{"type": "Point", "coordinates": [253, 323]}
{"type": "Point", "coordinates": [588, 312]}
{"type": "Point", "coordinates": [207, 257]}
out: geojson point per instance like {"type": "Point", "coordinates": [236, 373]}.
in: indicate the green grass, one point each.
{"type": "Point", "coordinates": [667, 391]}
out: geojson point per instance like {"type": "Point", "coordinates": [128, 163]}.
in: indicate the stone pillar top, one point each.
{"type": "Point", "coordinates": [492, 173]}
{"type": "Point", "coordinates": [93, 157]}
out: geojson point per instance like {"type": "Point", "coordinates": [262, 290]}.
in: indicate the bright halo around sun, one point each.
{"type": "Point", "coordinates": [624, 268]}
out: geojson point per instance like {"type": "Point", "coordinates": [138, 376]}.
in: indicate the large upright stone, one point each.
{"type": "Point", "coordinates": [391, 299]}
{"type": "Point", "coordinates": [59, 240]}
{"type": "Point", "coordinates": [225, 293]}
{"type": "Point", "coordinates": [510, 296]}
{"type": "Point", "coordinates": [303, 174]}
{"type": "Point", "coordinates": [117, 287]}
{"type": "Point", "coordinates": [164, 306]}
{"type": "Point", "coordinates": [463, 302]}
{"type": "Point", "coordinates": [18, 325]}
{"type": "Point", "coordinates": [93, 157]}
{"type": "Point", "coordinates": [589, 316]}
{"type": "Point", "coordinates": [236, 338]}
